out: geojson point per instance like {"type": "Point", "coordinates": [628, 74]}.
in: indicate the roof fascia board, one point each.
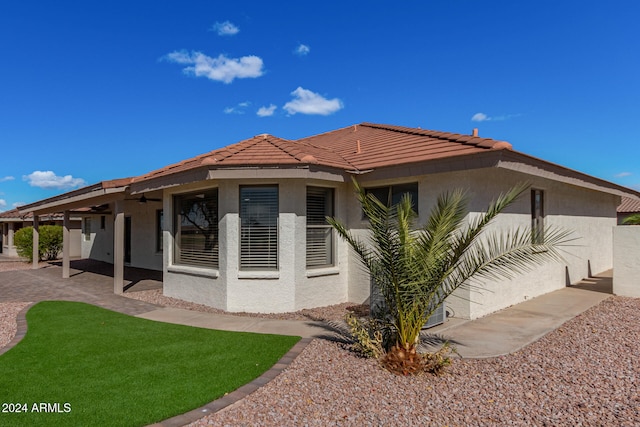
{"type": "Point", "coordinates": [524, 163]}
{"type": "Point", "coordinates": [62, 203]}
{"type": "Point", "coordinates": [249, 172]}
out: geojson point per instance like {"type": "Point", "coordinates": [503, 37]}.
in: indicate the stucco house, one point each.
{"type": "Point", "coordinates": [242, 228]}
{"type": "Point", "coordinates": [12, 221]}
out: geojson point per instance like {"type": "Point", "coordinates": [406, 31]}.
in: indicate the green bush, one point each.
{"type": "Point", "coordinates": [49, 242]}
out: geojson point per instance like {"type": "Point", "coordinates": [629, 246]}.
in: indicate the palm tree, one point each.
{"type": "Point", "coordinates": [415, 270]}
{"type": "Point", "coordinates": [632, 219]}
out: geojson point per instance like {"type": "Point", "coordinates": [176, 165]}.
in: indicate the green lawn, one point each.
{"type": "Point", "coordinates": [111, 369]}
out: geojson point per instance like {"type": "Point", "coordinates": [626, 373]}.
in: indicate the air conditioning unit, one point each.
{"type": "Point", "coordinates": [437, 318]}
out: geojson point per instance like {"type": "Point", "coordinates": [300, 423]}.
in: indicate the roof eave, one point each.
{"type": "Point", "coordinates": [93, 195]}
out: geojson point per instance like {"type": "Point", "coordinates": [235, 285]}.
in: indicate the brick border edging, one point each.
{"type": "Point", "coordinates": [240, 393]}
{"type": "Point", "coordinates": [21, 330]}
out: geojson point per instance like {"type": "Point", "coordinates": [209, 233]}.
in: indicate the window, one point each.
{"type": "Point", "coordinates": [159, 228]}
{"type": "Point", "coordinates": [537, 216]}
{"type": "Point", "coordinates": [392, 194]}
{"type": "Point", "coordinates": [196, 229]}
{"type": "Point", "coordinates": [319, 232]}
{"type": "Point", "coordinates": [87, 229]}
{"type": "Point", "coordinates": [103, 221]}
{"type": "Point", "coordinates": [259, 228]}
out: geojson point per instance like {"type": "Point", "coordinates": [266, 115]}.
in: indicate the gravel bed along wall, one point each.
{"type": "Point", "coordinates": [333, 312]}
{"type": "Point", "coordinates": [585, 373]}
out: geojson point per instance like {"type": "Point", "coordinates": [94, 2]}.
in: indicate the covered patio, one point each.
{"type": "Point", "coordinates": [114, 208]}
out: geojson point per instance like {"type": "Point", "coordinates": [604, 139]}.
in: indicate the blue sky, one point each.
{"type": "Point", "coordinates": [91, 91]}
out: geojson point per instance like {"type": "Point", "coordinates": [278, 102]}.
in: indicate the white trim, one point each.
{"type": "Point", "coordinates": [271, 275]}
{"type": "Point", "coordinates": [194, 271]}
{"type": "Point", "coordinates": [319, 272]}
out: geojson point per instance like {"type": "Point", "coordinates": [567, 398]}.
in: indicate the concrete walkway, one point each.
{"type": "Point", "coordinates": [501, 333]}
{"type": "Point", "coordinates": [513, 328]}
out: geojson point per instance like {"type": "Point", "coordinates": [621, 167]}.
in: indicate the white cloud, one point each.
{"type": "Point", "coordinates": [623, 174]}
{"type": "Point", "coordinates": [49, 180]}
{"type": "Point", "coordinates": [18, 204]}
{"type": "Point", "coordinates": [221, 69]}
{"type": "Point", "coordinates": [225, 28]}
{"type": "Point", "coordinates": [266, 111]}
{"type": "Point", "coordinates": [7, 178]}
{"type": "Point", "coordinates": [238, 109]}
{"type": "Point", "coordinates": [307, 102]}
{"type": "Point", "coordinates": [3, 203]}
{"type": "Point", "coordinates": [482, 117]}
{"type": "Point", "coordinates": [302, 50]}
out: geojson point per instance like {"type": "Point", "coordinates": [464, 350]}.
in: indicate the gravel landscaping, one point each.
{"type": "Point", "coordinates": [585, 373]}
{"type": "Point", "coordinates": [333, 312]}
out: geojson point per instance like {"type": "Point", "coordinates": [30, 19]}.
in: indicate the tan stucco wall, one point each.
{"type": "Point", "coordinates": [590, 214]}
{"type": "Point", "coordinates": [143, 236]}
{"type": "Point", "coordinates": [626, 260]}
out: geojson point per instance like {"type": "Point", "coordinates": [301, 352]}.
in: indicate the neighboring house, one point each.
{"type": "Point", "coordinates": [242, 228]}
{"type": "Point", "coordinates": [12, 221]}
{"type": "Point", "coordinates": [629, 206]}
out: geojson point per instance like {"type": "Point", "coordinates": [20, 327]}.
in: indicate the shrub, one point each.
{"type": "Point", "coordinates": [49, 242]}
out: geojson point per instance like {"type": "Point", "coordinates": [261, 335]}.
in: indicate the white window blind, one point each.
{"type": "Point", "coordinates": [196, 228]}
{"type": "Point", "coordinates": [319, 232]}
{"type": "Point", "coordinates": [259, 228]}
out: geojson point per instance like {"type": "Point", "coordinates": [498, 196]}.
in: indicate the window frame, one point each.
{"type": "Point", "coordinates": [395, 195]}
{"type": "Point", "coordinates": [537, 216]}
{"type": "Point", "coordinates": [159, 230]}
{"type": "Point", "coordinates": [270, 257]}
{"type": "Point", "coordinates": [86, 228]}
{"type": "Point", "coordinates": [328, 211]}
{"type": "Point", "coordinates": [199, 257]}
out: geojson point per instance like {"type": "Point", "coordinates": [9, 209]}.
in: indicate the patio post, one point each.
{"type": "Point", "coordinates": [66, 241]}
{"type": "Point", "coordinates": [36, 242]}
{"type": "Point", "coordinates": [118, 247]}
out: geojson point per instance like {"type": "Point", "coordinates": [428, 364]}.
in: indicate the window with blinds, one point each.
{"type": "Point", "coordinates": [319, 232]}
{"type": "Point", "coordinates": [196, 229]}
{"type": "Point", "coordinates": [259, 227]}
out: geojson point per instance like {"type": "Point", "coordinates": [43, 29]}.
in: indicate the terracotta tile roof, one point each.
{"type": "Point", "coordinates": [261, 150]}
{"type": "Point", "coordinates": [357, 147]}
{"type": "Point", "coordinates": [369, 145]}
{"type": "Point", "coordinates": [14, 214]}
{"type": "Point", "coordinates": [629, 205]}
